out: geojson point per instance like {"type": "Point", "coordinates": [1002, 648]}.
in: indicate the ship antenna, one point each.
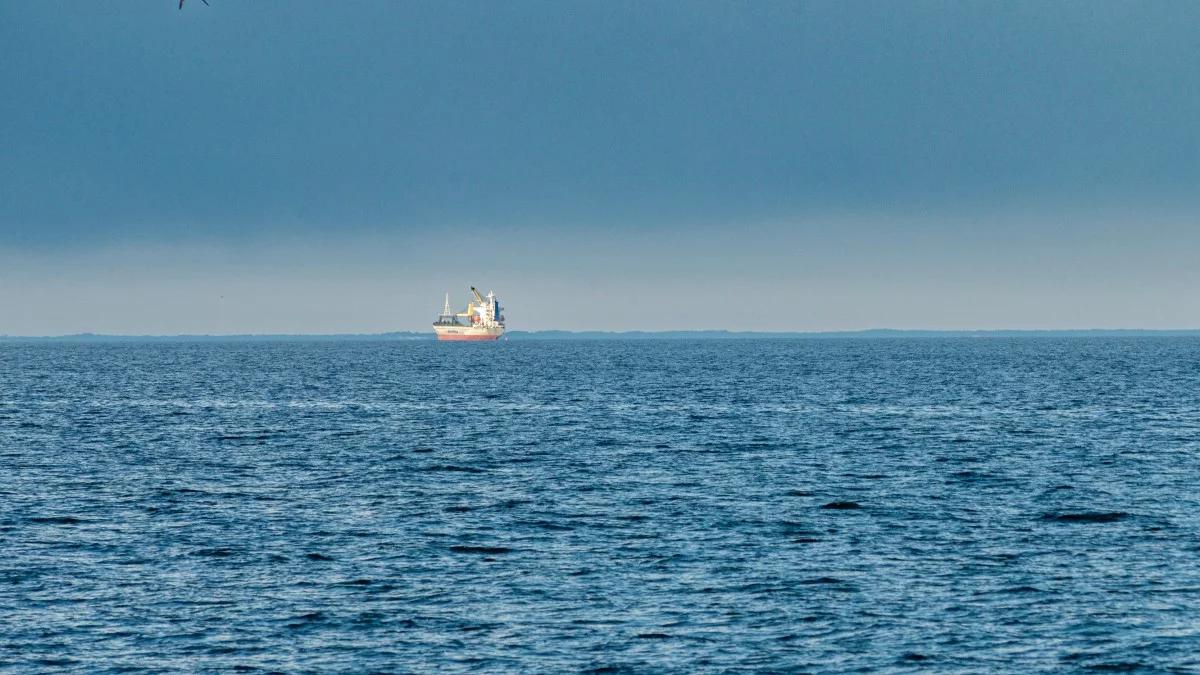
{"type": "Point", "coordinates": [446, 310]}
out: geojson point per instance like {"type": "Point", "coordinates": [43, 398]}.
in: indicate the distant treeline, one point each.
{"type": "Point", "coordinates": [855, 334]}
{"type": "Point", "coordinates": [625, 335]}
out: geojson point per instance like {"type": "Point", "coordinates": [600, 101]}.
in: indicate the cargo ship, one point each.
{"type": "Point", "coordinates": [480, 321]}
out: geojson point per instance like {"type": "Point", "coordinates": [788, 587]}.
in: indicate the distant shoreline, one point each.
{"type": "Point", "coordinates": [621, 335]}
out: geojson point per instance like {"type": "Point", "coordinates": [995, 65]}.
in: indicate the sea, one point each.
{"type": "Point", "coordinates": [675, 506]}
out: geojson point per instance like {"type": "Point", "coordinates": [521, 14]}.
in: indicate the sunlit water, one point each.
{"type": "Point", "coordinates": [1004, 504]}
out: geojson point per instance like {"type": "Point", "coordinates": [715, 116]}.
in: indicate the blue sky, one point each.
{"type": "Point", "coordinates": [304, 166]}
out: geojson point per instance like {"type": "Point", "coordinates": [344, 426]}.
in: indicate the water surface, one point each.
{"type": "Point", "coordinates": [819, 505]}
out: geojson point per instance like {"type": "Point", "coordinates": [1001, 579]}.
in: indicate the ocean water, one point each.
{"type": "Point", "coordinates": [562, 506]}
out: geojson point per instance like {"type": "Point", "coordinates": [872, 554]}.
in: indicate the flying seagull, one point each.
{"type": "Point", "coordinates": [204, 1]}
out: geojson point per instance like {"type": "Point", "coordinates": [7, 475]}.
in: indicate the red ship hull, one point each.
{"type": "Point", "coordinates": [466, 338]}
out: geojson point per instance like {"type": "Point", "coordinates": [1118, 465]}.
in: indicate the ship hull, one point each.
{"type": "Point", "coordinates": [467, 334]}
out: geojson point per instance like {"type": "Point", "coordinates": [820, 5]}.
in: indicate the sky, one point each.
{"type": "Point", "coordinates": [300, 166]}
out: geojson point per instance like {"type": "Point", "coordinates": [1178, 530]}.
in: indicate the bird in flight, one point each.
{"type": "Point", "coordinates": [204, 1]}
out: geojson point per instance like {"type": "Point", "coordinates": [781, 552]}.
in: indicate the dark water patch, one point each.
{"type": "Point", "coordinates": [57, 520]}
{"type": "Point", "coordinates": [805, 540]}
{"type": "Point", "coordinates": [914, 656]}
{"type": "Point", "coordinates": [215, 552]}
{"type": "Point", "coordinates": [1086, 517]}
{"type": "Point", "coordinates": [306, 620]}
{"type": "Point", "coordinates": [481, 550]}
{"type": "Point", "coordinates": [422, 450]}
{"type": "Point", "coordinates": [509, 504]}
{"type": "Point", "coordinates": [255, 437]}
{"type": "Point", "coordinates": [18, 576]}
{"type": "Point", "coordinates": [206, 602]}
{"type": "Point", "coordinates": [663, 561]}
{"type": "Point", "coordinates": [842, 506]}
{"type": "Point", "coordinates": [346, 433]}
{"type": "Point", "coordinates": [476, 627]}
{"type": "Point", "coordinates": [458, 508]}
{"type": "Point", "coordinates": [652, 636]}
{"type": "Point", "coordinates": [795, 528]}
{"type": "Point", "coordinates": [1116, 667]}
{"type": "Point", "coordinates": [174, 491]}
{"type": "Point", "coordinates": [817, 581]}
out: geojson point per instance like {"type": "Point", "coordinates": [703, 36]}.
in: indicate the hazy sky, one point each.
{"type": "Point", "coordinates": [315, 166]}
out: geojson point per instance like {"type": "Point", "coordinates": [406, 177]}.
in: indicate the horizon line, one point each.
{"type": "Point", "coordinates": [715, 333]}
